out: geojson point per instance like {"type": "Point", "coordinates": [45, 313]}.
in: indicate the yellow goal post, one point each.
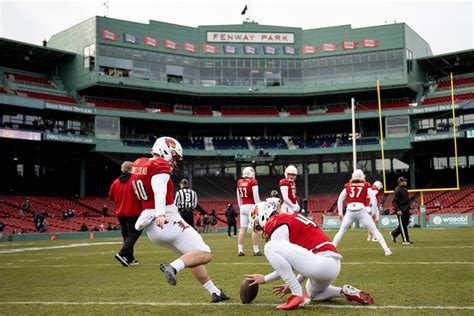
{"type": "Point", "coordinates": [421, 191]}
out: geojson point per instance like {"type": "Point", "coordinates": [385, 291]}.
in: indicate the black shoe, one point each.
{"type": "Point", "coordinates": [123, 260]}
{"type": "Point", "coordinates": [407, 242]}
{"type": "Point", "coordinates": [170, 273]}
{"type": "Point", "coordinates": [258, 254]}
{"type": "Point", "coordinates": [219, 298]}
{"type": "Point", "coordinates": [134, 263]}
{"type": "Point", "coordinates": [394, 239]}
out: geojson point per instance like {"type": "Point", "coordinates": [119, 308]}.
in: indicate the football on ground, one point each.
{"type": "Point", "coordinates": [248, 293]}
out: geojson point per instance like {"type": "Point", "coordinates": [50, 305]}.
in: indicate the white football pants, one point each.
{"type": "Point", "coordinates": [176, 235]}
{"type": "Point", "coordinates": [363, 218]}
{"type": "Point", "coordinates": [321, 269]}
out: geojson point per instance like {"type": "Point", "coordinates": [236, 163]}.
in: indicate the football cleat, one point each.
{"type": "Point", "coordinates": [134, 263]}
{"type": "Point", "coordinates": [356, 295]}
{"type": "Point", "coordinates": [170, 273]}
{"type": "Point", "coordinates": [241, 254]}
{"type": "Point", "coordinates": [392, 237]}
{"type": "Point", "coordinates": [258, 254]}
{"type": "Point", "coordinates": [219, 298]}
{"type": "Point", "coordinates": [123, 260]}
{"type": "Point", "coordinates": [388, 252]}
{"type": "Point", "coordinates": [295, 301]}
{"type": "Point", "coordinates": [144, 220]}
{"type": "Point", "coordinates": [407, 242]}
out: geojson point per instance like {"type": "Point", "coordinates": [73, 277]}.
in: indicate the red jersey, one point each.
{"type": "Point", "coordinates": [303, 232]}
{"type": "Point", "coordinates": [245, 189]}
{"type": "Point", "coordinates": [376, 191]}
{"type": "Point", "coordinates": [357, 192]}
{"type": "Point", "coordinates": [291, 189]}
{"type": "Point", "coordinates": [143, 169]}
{"type": "Point", "coordinates": [122, 193]}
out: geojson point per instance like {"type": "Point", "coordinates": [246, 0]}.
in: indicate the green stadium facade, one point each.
{"type": "Point", "coordinates": [235, 95]}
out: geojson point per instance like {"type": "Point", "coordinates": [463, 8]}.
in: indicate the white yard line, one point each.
{"type": "Point", "coordinates": [14, 250]}
{"type": "Point", "coordinates": [400, 307]}
{"type": "Point", "coordinates": [11, 265]}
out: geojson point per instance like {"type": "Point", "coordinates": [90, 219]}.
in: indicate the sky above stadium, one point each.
{"type": "Point", "coordinates": [446, 25]}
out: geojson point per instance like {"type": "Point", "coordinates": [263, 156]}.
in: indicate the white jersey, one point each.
{"type": "Point", "coordinates": [275, 202]}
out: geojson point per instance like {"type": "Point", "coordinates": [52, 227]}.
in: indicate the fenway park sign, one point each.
{"type": "Point", "coordinates": [250, 37]}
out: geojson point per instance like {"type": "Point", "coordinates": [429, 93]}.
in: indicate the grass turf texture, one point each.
{"type": "Point", "coordinates": [437, 270]}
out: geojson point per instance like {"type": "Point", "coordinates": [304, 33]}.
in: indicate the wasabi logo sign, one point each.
{"type": "Point", "coordinates": [389, 221]}
{"type": "Point", "coordinates": [451, 220]}
{"type": "Point", "coordinates": [331, 222]}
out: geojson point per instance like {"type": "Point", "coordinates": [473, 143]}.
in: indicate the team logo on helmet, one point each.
{"type": "Point", "coordinates": [170, 143]}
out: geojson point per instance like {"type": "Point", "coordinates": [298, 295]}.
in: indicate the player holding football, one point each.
{"type": "Point", "coordinates": [376, 188]}
{"type": "Point", "coordinates": [247, 197]}
{"type": "Point", "coordinates": [356, 191]}
{"type": "Point", "coordinates": [151, 180]}
{"type": "Point", "coordinates": [296, 243]}
{"type": "Point", "coordinates": [288, 191]}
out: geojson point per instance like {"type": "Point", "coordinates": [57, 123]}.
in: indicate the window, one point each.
{"type": "Point", "coordinates": [89, 57]}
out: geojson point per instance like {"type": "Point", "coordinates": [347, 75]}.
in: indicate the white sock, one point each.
{"type": "Point", "coordinates": [178, 264]}
{"type": "Point", "coordinates": [255, 248]}
{"type": "Point", "coordinates": [241, 248]}
{"type": "Point", "coordinates": [211, 288]}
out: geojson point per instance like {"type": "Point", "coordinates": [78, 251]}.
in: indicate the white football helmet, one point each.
{"type": "Point", "coordinates": [169, 149]}
{"type": "Point", "coordinates": [378, 185]}
{"type": "Point", "coordinates": [358, 174]}
{"type": "Point", "coordinates": [248, 172]}
{"type": "Point", "coordinates": [260, 214]}
{"type": "Point", "coordinates": [291, 172]}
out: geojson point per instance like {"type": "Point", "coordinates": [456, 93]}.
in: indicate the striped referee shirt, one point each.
{"type": "Point", "coordinates": [186, 199]}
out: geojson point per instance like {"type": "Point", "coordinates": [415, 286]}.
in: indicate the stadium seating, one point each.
{"type": "Point", "coordinates": [47, 96]}
{"type": "Point", "coordinates": [229, 143]}
{"type": "Point", "coordinates": [447, 98]}
{"type": "Point", "coordinates": [34, 80]}
{"type": "Point", "coordinates": [115, 104]}
{"type": "Point", "coordinates": [249, 111]}
{"type": "Point", "coordinates": [458, 82]}
{"type": "Point", "coordinates": [202, 111]}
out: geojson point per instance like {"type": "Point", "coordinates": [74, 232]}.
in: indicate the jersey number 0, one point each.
{"type": "Point", "coordinates": [139, 189]}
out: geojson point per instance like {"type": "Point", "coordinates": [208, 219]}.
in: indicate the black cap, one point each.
{"type": "Point", "coordinates": [183, 182]}
{"type": "Point", "coordinates": [402, 179]}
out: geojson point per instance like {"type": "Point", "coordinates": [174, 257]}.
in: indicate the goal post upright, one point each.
{"type": "Point", "coordinates": [382, 147]}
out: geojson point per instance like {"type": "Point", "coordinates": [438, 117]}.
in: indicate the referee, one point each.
{"type": "Point", "coordinates": [186, 202]}
{"type": "Point", "coordinates": [401, 204]}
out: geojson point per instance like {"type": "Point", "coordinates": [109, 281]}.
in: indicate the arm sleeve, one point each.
{"type": "Point", "coordinates": [281, 233]}
{"type": "Point", "coordinates": [239, 200]}
{"type": "Point", "coordinates": [195, 200]}
{"type": "Point", "coordinates": [256, 197]}
{"type": "Point", "coordinates": [340, 201]}
{"type": "Point", "coordinates": [284, 195]}
{"type": "Point", "coordinates": [272, 277]}
{"type": "Point", "coordinates": [159, 184]}
{"type": "Point", "coordinates": [373, 200]}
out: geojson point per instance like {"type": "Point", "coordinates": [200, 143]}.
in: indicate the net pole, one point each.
{"type": "Point", "coordinates": [381, 137]}
{"type": "Point", "coordinates": [454, 131]}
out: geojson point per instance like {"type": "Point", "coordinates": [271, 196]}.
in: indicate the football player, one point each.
{"type": "Point", "coordinates": [376, 188]}
{"type": "Point", "coordinates": [356, 191]}
{"type": "Point", "coordinates": [288, 191]}
{"type": "Point", "coordinates": [296, 243]}
{"type": "Point", "coordinates": [247, 197]}
{"type": "Point", "coordinates": [274, 200]}
{"type": "Point", "coordinates": [151, 181]}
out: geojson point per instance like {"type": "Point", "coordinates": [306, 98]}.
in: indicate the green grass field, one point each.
{"type": "Point", "coordinates": [435, 275]}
